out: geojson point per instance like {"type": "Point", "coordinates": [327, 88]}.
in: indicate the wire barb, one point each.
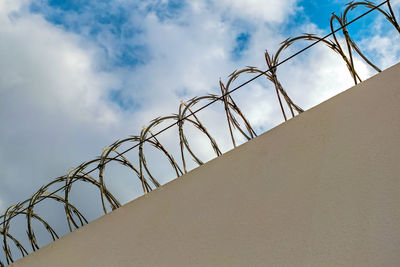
{"type": "Point", "coordinates": [186, 115]}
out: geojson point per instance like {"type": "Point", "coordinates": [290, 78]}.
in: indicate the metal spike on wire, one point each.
{"type": "Point", "coordinates": [186, 115]}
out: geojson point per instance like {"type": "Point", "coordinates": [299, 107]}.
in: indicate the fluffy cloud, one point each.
{"type": "Point", "coordinates": [57, 92]}
{"type": "Point", "coordinates": [64, 94]}
{"type": "Point", "coordinates": [262, 10]}
{"type": "Point", "coordinates": [52, 104]}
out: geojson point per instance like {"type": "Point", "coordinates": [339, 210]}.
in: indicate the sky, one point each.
{"type": "Point", "coordinates": [77, 75]}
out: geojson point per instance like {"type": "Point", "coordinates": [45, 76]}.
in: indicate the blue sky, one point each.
{"type": "Point", "coordinates": [92, 18]}
{"type": "Point", "coordinates": [120, 22]}
{"type": "Point", "coordinates": [78, 75]}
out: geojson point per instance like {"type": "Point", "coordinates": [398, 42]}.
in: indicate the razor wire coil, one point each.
{"type": "Point", "coordinates": [186, 114]}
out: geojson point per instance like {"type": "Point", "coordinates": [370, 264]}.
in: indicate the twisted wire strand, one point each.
{"type": "Point", "coordinates": [186, 114]}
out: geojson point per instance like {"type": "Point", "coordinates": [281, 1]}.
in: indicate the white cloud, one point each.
{"type": "Point", "coordinates": [7, 6]}
{"type": "Point", "coordinates": [55, 92]}
{"type": "Point", "coordinates": [53, 106]}
{"type": "Point", "coordinates": [386, 49]}
{"type": "Point", "coordinates": [262, 10]}
{"type": "Point", "coordinates": [383, 44]}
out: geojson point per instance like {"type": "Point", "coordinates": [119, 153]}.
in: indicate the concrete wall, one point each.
{"type": "Point", "coordinates": [322, 189]}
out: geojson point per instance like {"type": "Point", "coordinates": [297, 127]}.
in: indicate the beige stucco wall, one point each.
{"type": "Point", "coordinates": [322, 189]}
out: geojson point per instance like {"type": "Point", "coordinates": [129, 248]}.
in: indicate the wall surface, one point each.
{"type": "Point", "coordinates": [322, 189]}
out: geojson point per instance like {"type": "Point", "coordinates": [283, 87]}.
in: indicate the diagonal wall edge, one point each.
{"type": "Point", "coordinates": [322, 189]}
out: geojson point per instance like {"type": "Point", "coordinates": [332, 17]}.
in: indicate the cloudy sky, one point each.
{"type": "Point", "coordinates": [78, 75]}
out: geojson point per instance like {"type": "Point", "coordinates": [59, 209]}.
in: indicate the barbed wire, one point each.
{"type": "Point", "coordinates": [75, 218]}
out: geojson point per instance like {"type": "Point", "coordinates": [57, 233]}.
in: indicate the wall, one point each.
{"type": "Point", "coordinates": [322, 189]}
